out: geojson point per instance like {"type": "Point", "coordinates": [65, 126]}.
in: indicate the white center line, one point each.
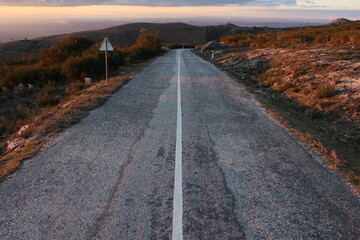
{"type": "Point", "coordinates": [177, 233]}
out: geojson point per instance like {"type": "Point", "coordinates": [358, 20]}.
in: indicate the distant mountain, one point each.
{"type": "Point", "coordinates": [175, 32]}
{"type": "Point", "coordinates": [118, 35]}
{"type": "Point", "coordinates": [127, 33]}
{"type": "Point", "coordinates": [339, 21]}
{"type": "Point", "coordinates": [215, 32]}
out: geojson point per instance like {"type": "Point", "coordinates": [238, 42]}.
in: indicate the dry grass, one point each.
{"type": "Point", "coordinates": [55, 119]}
{"type": "Point", "coordinates": [327, 91]}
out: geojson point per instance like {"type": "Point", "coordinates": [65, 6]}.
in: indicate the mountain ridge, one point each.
{"type": "Point", "coordinates": [120, 35]}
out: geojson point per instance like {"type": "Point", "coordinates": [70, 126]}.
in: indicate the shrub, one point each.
{"type": "Point", "coordinates": [77, 68]}
{"type": "Point", "coordinates": [22, 111]}
{"type": "Point", "coordinates": [9, 124]}
{"type": "Point", "coordinates": [2, 129]}
{"type": "Point", "coordinates": [34, 74]}
{"type": "Point", "coordinates": [326, 91]}
{"type": "Point", "coordinates": [61, 51]}
{"type": "Point", "coordinates": [74, 88]}
{"type": "Point", "coordinates": [146, 46]}
{"type": "Point", "coordinates": [2, 147]}
{"type": "Point", "coordinates": [43, 100]}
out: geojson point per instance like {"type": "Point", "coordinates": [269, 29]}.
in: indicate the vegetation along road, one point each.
{"type": "Point", "coordinates": [236, 173]}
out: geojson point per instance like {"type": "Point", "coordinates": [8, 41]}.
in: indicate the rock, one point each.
{"type": "Point", "coordinates": [15, 91]}
{"type": "Point", "coordinates": [30, 86]}
{"type": "Point", "coordinates": [88, 81]}
{"type": "Point", "coordinates": [18, 142]}
{"type": "Point", "coordinates": [213, 45]}
{"type": "Point", "coordinates": [23, 129]}
{"type": "Point", "coordinates": [21, 87]}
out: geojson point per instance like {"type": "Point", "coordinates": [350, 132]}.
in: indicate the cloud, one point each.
{"type": "Point", "coordinates": [62, 22]}
{"type": "Point", "coordinates": [168, 3]}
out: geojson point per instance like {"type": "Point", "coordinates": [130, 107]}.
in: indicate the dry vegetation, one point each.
{"type": "Point", "coordinates": [327, 35]}
{"type": "Point", "coordinates": [41, 96]}
{"type": "Point", "coordinates": [324, 78]}
{"type": "Point", "coordinates": [313, 88]}
{"type": "Point", "coordinates": [52, 120]}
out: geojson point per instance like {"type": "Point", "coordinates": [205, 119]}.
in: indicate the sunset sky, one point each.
{"type": "Point", "coordinates": [19, 13]}
{"type": "Point", "coordinates": [18, 10]}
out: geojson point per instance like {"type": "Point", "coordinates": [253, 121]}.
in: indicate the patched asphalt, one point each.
{"type": "Point", "coordinates": [112, 175]}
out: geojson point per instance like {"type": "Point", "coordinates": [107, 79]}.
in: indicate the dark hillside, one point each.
{"type": "Point", "coordinates": [119, 36]}
{"type": "Point", "coordinates": [216, 32]}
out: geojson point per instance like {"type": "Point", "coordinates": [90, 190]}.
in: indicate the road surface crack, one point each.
{"type": "Point", "coordinates": [95, 231]}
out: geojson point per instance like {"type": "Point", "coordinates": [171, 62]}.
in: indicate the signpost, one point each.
{"type": "Point", "coordinates": [107, 47]}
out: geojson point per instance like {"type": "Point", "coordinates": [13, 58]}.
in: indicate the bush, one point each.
{"type": "Point", "coordinates": [61, 51]}
{"type": "Point", "coordinates": [49, 96]}
{"type": "Point", "coordinates": [2, 129]}
{"type": "Point", "coordinates": [326, 91]}
{"type": "Point", "coordinates": [146, 46]}
{"type": "Point", "coordinates": [43, 100]}
{"type": "Point", "coordinates": [77, 68]}
{"type": "Point", "coordinates": [33, 74]}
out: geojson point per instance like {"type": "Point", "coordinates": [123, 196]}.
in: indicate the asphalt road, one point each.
{"type": "Point", "coordinates": [112, 175]}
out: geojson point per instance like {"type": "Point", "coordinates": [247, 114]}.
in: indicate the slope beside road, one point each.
{"type": "Point", "coordinates": [112, 175]}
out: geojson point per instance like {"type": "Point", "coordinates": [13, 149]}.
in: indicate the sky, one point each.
{"type": "Point", "coordinates": [39, 17]}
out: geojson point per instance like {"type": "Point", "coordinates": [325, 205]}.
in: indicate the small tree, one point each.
{"type": "Point", "coordinates": [147, 45]}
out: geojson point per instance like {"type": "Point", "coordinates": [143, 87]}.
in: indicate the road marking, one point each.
{"type": "Point", "coordinates": [177, 233]}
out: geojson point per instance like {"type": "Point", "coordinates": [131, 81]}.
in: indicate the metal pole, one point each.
{"type": "Point", "coordinates": [106, 60]}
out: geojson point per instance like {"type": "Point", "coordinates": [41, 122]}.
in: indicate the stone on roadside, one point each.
{"type": "Point", "coordinates": [18, 142]}
{"type": "Point", "coordinates": [88, 81]}
{"type": "Point", "coordinates": [23, 129]}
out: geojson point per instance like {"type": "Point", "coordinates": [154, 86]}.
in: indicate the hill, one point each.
{"type": "Point", "coordinates": [119, 36]}
{"type": "Point", "coordinates": [343, 33]}
{"type": "Point", "coordinates": [339, 21]}
{"type": "Point", "coordinates": [127, 34]}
